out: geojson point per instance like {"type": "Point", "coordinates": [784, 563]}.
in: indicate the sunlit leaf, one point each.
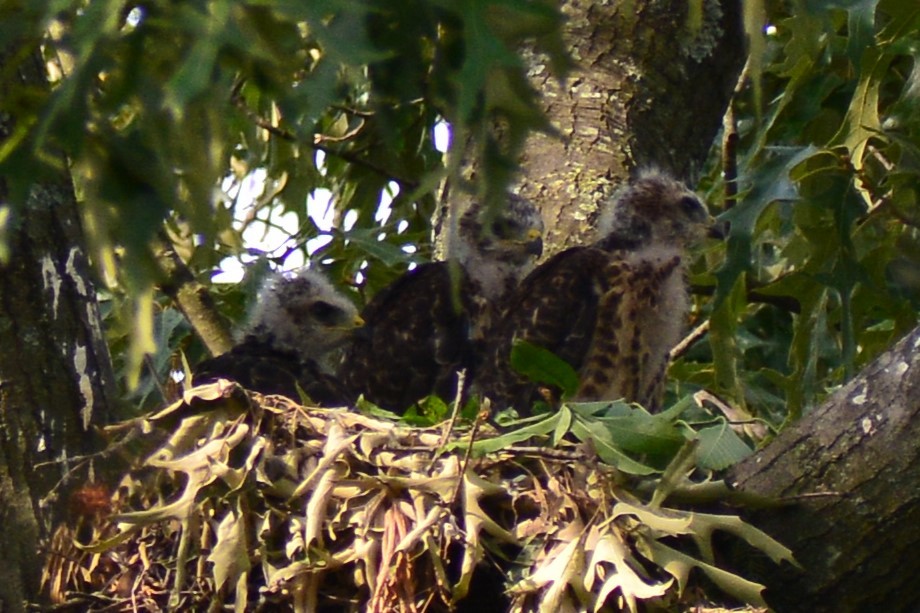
{"type": "Point", "coordinates": [678, 565]}
{"type": "Point", "coordinates": [640, 432]}
{"type": "Point", "coordinates": [720, 447]}
{"type": "Point", "coordinates": [4, 234]}
{"type": "Point", "coordinates": [230, 555]}
{"type": "Point", "coordinates": [539, 428]}
{"type": "Point", "coordinates": [607, 448]}
{"type": "Point", "coordinates": [610, 549]}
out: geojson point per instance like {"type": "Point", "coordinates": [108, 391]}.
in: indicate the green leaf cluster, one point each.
{"type": "Point", "coordinates": [818, 277]}
{"type": "Point", "coordinates": [623, 435]}
{"type": "Point", "coordinates": [162, 110]}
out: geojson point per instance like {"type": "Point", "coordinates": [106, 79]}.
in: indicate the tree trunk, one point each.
{"type": "Point", "coordinates": [55, 371]}
{"type": "Point", "coordinates": [858, 542]}
{"type": "Point", "coordinates": [650, 89]}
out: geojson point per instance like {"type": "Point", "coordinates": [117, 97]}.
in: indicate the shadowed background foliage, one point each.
{"type": "Point", "coordinates": [164, 108]}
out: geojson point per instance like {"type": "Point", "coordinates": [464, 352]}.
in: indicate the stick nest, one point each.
{"type": "Point", "coordinates": [259, 503]}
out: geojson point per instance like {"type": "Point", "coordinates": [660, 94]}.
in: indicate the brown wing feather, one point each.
{"type": "Point", "coordinates": [623, 362]}
{"type": "Point", "coordinates": [415, 340]}
{"type": "Point", "coordinates": [554, 307]}
{"type": "Point", "coordinates": [258, 367]}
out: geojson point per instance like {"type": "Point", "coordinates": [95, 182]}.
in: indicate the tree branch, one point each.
{"type": "Point", "coordinates": [858, 547]}
{"type": "Point", "coordinates": [192, 298]}
{"type": "Point", "coordinates": [265, 124]}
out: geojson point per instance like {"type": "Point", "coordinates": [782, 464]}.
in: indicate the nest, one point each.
{"type": "Point", "coordinates": [259, 503]}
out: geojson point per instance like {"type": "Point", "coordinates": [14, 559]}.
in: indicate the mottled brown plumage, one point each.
{"type": "Point", "coordinates": [258, 366]}
{"type": "Point", "coordinates": [298, 323]}
{"type": "Point", "coordinates": [420, 332]}
{"type": "Point", "coordinates": [612, 310]}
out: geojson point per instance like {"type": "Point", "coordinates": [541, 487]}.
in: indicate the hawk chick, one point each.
{"type": "Point", "coordinates": [420, 332]}
{"type": "Point", "coordinates": [612, 310]}
{"type": "Point", "coordinates": [295, 327]}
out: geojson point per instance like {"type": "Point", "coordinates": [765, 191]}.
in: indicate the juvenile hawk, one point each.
{"type": "Point", "coordinates": [297, 324]}
{"type": "Point", "coordinates": [612, 310]}
{"type": "Point", "coordinates": [420, 332]}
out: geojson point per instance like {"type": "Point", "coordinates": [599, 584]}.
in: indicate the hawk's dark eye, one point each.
{"type": "Point", "coordinates": [325, 313]}
{"type": "Point", "coordinates": [692, 207]}
{"type": "Point", "coordinates": [501, 228]}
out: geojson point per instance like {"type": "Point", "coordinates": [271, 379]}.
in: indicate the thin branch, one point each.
{"type": "Point", "coordinates": [75, 463]}
{"type": "Point", "coordinates": [689, 340]}
{"type": "Point", "coordinates": [449, 428]}
{"type": "Point", "coordinates": [730, 143]}
{"type": "Point", "coordinates": [325, 138]}
{"type": "Point", "coordinates": [785, 303]}
{"type": "Point", "coordinates": [883, 203]}
{"type": "Point", "coordinates": [484, 411]}
{"type": "Point", "coordinates": [271, 128]}
{"type": "Point", "coordinates": [730, 157]}
{"type": "Point", "coordinates": [191, 297]}
{"type": "Point", "coordinates": [148, 361]}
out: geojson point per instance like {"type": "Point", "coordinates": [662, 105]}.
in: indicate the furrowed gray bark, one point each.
{"type": "Point", "coordinates": [856, 461]}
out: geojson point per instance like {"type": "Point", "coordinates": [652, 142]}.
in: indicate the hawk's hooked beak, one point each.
{"type": "Point", "coordinates": [356, 328]}
{"type": "Point", "coordinates": [717, 229]}
{"type": "Point", "coordinates": [534, 243]}
{"type": "Point", "coordinates": [356, 323]}
{"type": "Point", "coordinates": [361, 330]}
